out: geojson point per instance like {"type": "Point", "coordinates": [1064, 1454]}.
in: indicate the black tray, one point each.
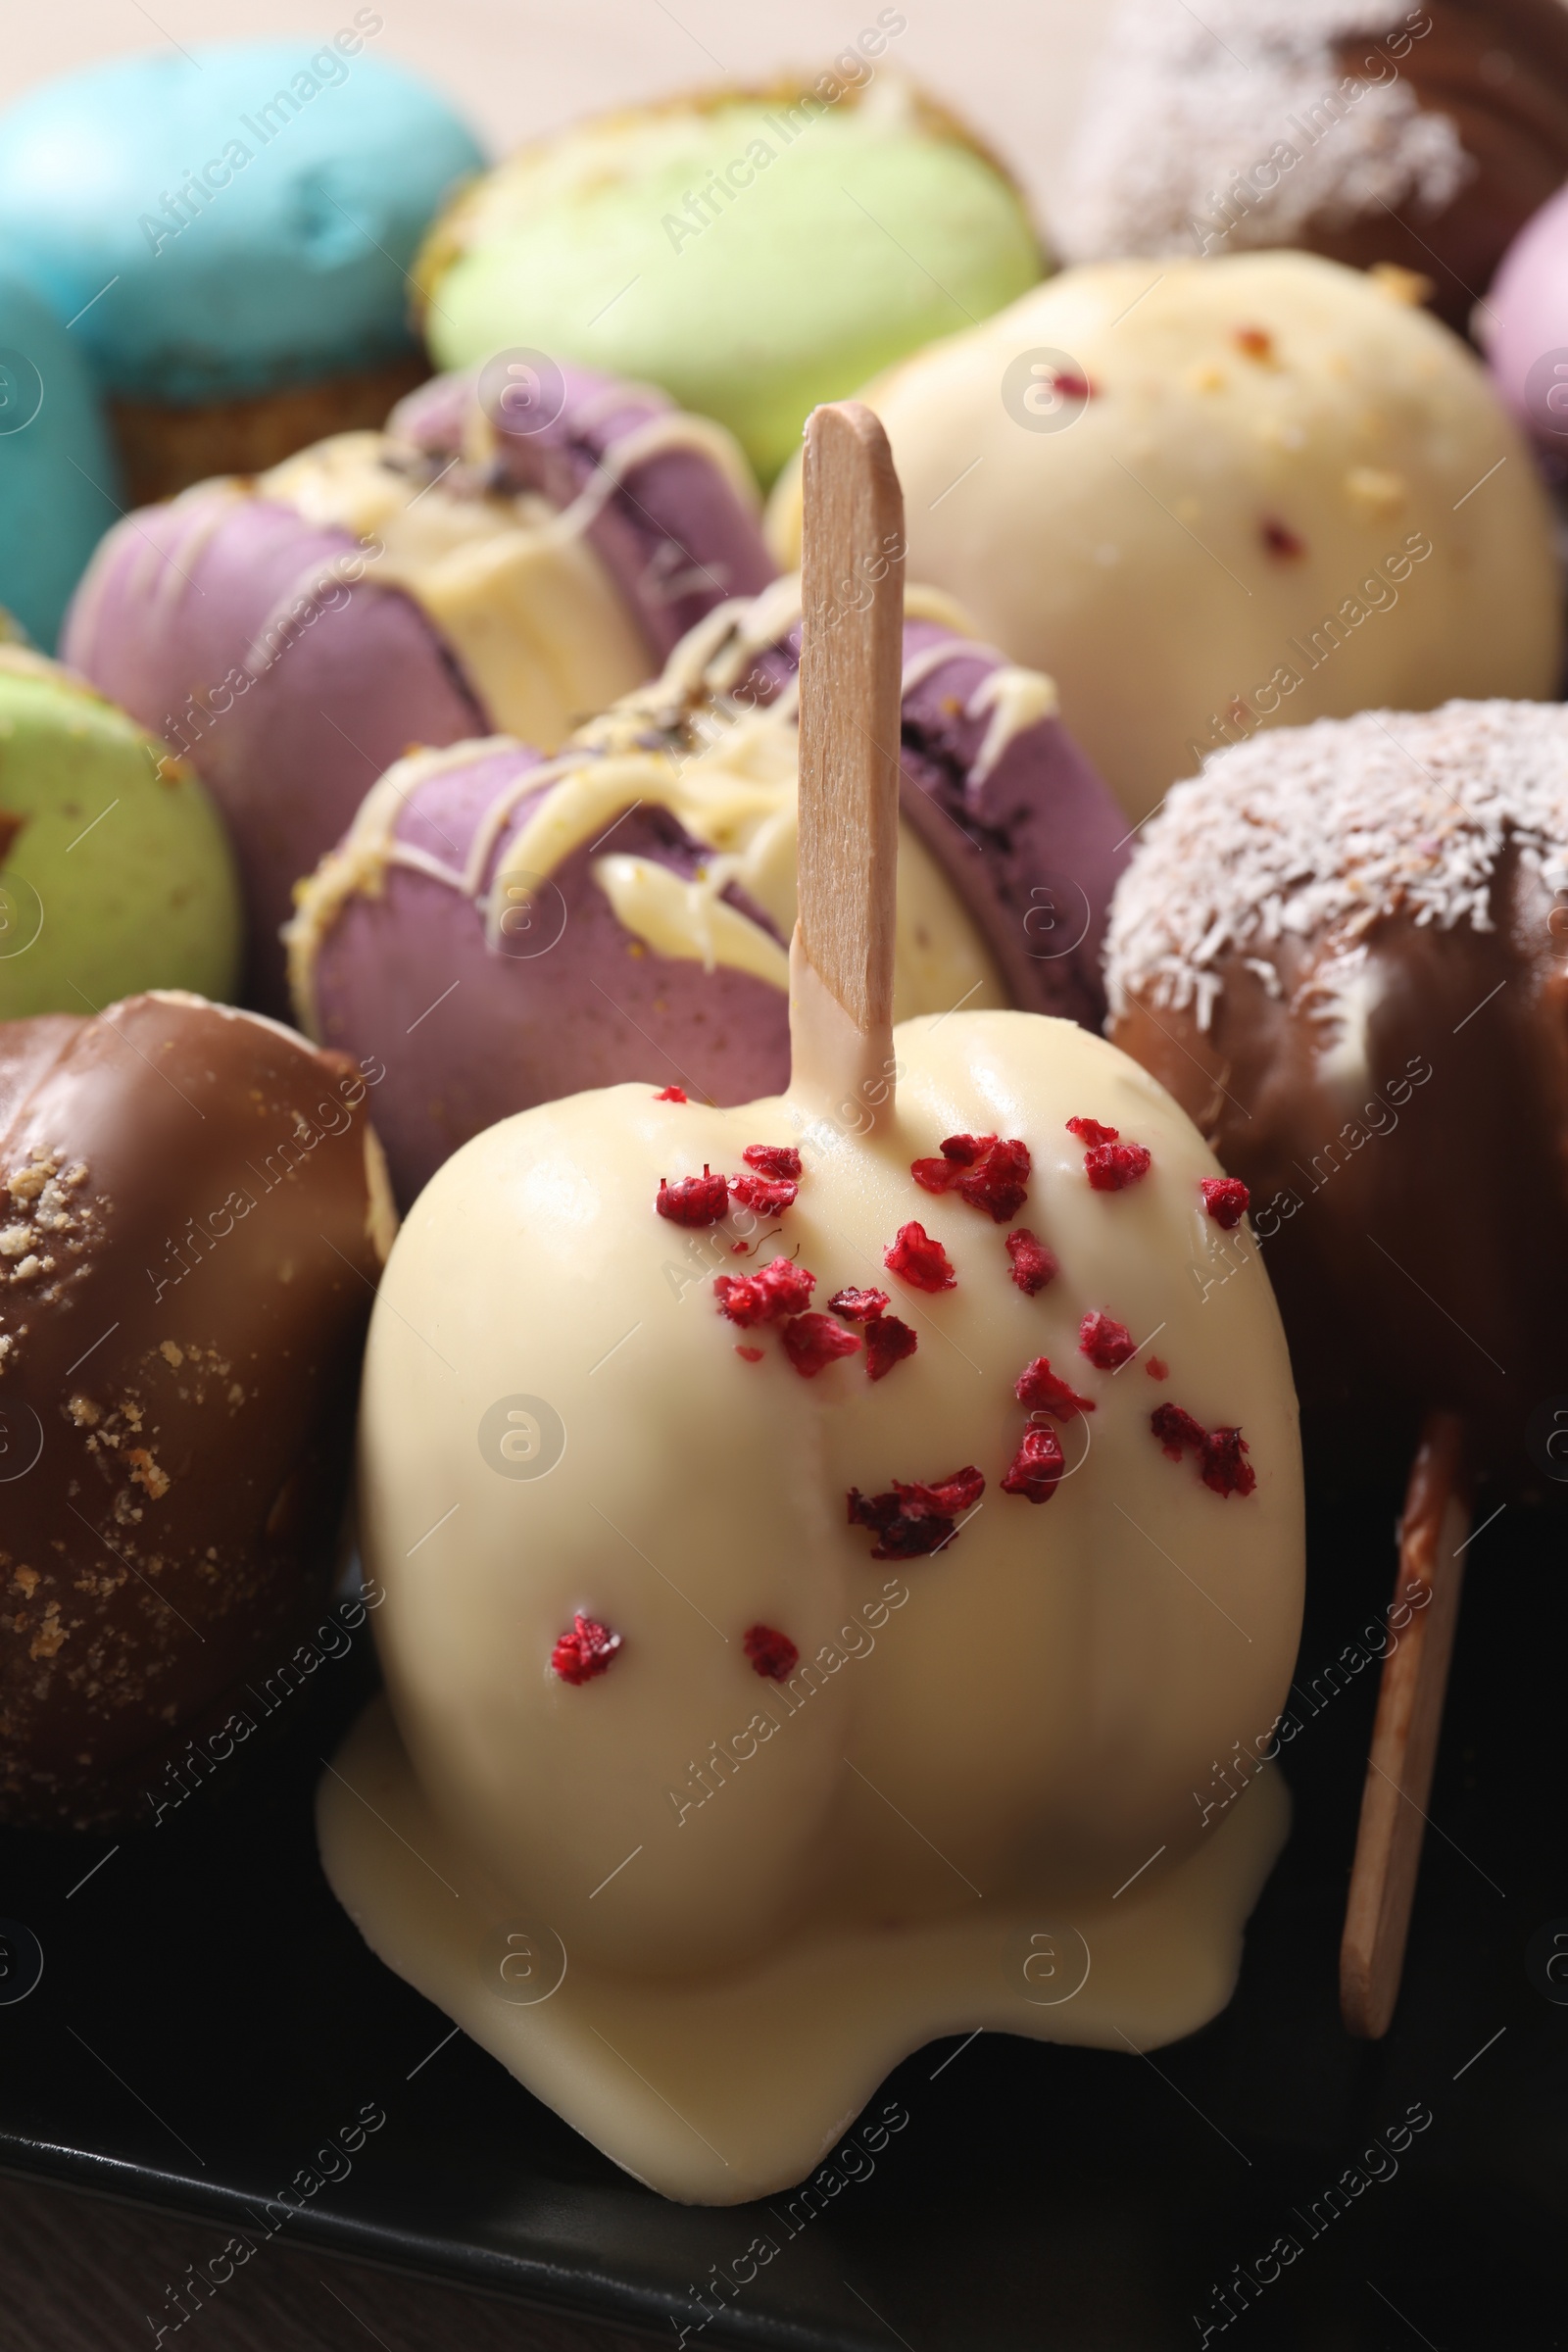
{"type": "Point", "coordinates": [207, 2021]}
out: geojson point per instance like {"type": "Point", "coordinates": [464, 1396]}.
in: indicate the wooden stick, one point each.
{"type": "Point", "coordinates": [1404, 1736]}
{"type": "Point", "coordinates": [852, 654]}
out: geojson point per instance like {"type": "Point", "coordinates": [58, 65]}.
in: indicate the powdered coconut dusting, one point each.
{"type": "Point", "coordinates": [1239, 129]}
{"type": "Point", "coordinates": [1319, 832]}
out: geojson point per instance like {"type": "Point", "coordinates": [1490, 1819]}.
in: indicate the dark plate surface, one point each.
{"type": "Point", "coordinates": [208, 2021]}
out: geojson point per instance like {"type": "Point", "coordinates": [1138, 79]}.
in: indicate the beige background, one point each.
{"type": "Point", "coordinates": [519, 67]}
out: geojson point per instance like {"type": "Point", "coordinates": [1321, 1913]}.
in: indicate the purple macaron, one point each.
{"type": "Point", "coordinates": [490, 972]}
{"type": "Point", "coordinates": [264, 628]}
{"type": "Point", "coordinates": [1523, 325]}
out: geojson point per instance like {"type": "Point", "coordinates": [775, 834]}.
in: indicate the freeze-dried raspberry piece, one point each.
{"type": "Point", "coordinates": [1033, 1264]}
{"type": "Point", "coordinates": [813, 1342]}
{"type": "Point", "coordinates": [1175, 1428]}
{"type": "Point", "coordinates": [1106, 1343]}
{"type": "Point", "coordinates": [672, 1094]}
{"type": "Point", "coordinates": [770, 1195]}
{"type": "Point", "coordinates": [1226, 1199]}
{"type": "Point", "coordinates": [585, 1652]}
{"type": "Point", "coordinates": [858, 1306]}
{"type": "Point", "coordinates": [919, 1260]}
{"type": "Point", "coordinates": [1038, 1386]}
{"type": "Point", "coordinates": [1112, 1168]}
{"type": "Point", "coordinates": [935, 1175]}
{"type": "Point", "coordinates": [1223, 1465]}
{"type": "Point", "coordinates": [999, 1182]}
{"type": "Point", "coordinates": [772, 1160]}
{"type": "Point", "coordinates": [1158, 1368]}
{"type": "Point", "coordinates": [771, 1652]}
{"type": "Point", "coordinates": [887, 1342]}
{"type": "Point", "coordinates": [915, 1520]}
{"type": "Point", "coordinates": [772, 1291]}
{"type": "Point", "coordinates": [1036, 1466]}
{"type": "Point", "coordinates": [753, 1356]}
{"type": "Point", "coordinates": [1091, 1132]}
{"type": "Point", "coordinates": [694, 1199]}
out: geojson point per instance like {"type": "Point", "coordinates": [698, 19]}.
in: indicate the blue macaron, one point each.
{"type": "Point", "coordinates": [232, 221]}
{"type": "Point", "coordinates": [58, 481]}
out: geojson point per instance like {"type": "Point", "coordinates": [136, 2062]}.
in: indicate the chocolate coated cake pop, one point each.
{"type": "Point", "coordinates": [193, 1221]}
{"type": "Point", "coordinates": [1341, 949]}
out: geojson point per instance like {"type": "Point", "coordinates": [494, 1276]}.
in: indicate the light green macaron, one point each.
{"type": "Point", "coordinates": [753, 254]}
{"type": "Point", "coordinates": [115, 873]}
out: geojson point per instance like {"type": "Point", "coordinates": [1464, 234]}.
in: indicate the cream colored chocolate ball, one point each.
{"type": "Point", "coordinates": [1289, 494]}
{"type": "Point", "coordinates": [988, 1790]}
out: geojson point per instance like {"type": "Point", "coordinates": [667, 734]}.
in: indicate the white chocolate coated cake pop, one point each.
{"type": "Point", "coordinates": [827, 1546]}
{"type": "Point", "coordinates": [1213, 496]}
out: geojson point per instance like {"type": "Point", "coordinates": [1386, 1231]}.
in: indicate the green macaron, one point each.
{"type": "Point", "coordinates": [115, 873]}
{"type": "Point", "coordinates": [753, 254]}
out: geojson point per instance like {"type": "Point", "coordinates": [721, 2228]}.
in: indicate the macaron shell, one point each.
{"type": "Point", "coordinates": [177, 598]}
{"type": "Point", "coordinates": [860, 236]}
{"type": "Point", "coordinates": [119, 876]}
{"type": "Point", "coordinates": [1523, 325]}
{"type": "Point", "coordinates": [58, 478]}
{"type": "Point", "coordinates": [322, 169]}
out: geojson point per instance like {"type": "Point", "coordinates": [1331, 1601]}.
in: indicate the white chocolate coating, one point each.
{"type": "Point", "coordinates": [977, 1749]}
{"type": "Point", "coordinates": [1127, 555]}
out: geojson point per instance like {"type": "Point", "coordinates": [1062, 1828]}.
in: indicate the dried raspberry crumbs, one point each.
{"type": "Point", "coordinates": [672, 1094]}
{"type": "Point", "coordinates": [887, 1342]}
{"type": "Point", "coordinates": [1038, 1386]}
{"type": "Point", "coordinates": [813, 1342]}
{"type": "Point", "coordinates": [858, 1306]}
{"type": "Point", "coordinates": [1106, 1343]}
{"type": "Point", "coordinates": [1036, 1466]}
{"type": "Point", "coordinates": [772, 1160]}
{"type": "Point", "coordinates": [771, 1652]}
{"type": "Point", "coordinates": [694, 1199]}
{"type": "Point", "coordinates": [585, 1652]}
{"type": "Point", "coordinates": [1226, 1200]}
{"type": "Point", "coordinates": [1033, 1264]}
{"type": "Point", "coordinates": [919, 1260]}
{"type": "Point", "coordinates": [765, 1296]}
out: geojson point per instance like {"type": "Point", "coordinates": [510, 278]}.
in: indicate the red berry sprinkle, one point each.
{"type": "Point", "coordinates": [813, 1342]}
{"type": "Point", "coordinates": [765, 1296]}
{"type": "Point", "coordinates": [1112, 1168]}
{"type": "Point", "coordinates": [1033, 1264]}
{"type": "Point", "coordinates": [1110, 1165]}
{"type": "Point", "coordinates": [1158, 1368]}
{"type": "Point", "coordinates": [1223, 1467]}
{"type": "Point", "coordinates": [1091, 1132]}
{"type": "Point", "coordinates": [915, 1520]}
{"type": "Point", "coordinates": [1281, 540]}
{"type": "Point", "coordinates": [1222, 1462]}
{"type": "Point", "coordinates": [771, 1652]}
{"type": "Point", "coordinates": [694, 1201]}
{"type": "Point", "coordinates": [770, 1195]}
{"type": "Point", "coordinates": [585, 1652]}
{"type": "Point", "coordinates": [753, 1356]}
{"type": "Point", "coordinates": [1038, 1386]}
{"type": "Point", "coordinates": [1106, 1343]}
{"type": "Point", "coordinates": [887, 1342]}
{"type": "Point", "coordinates": [672, 1093]}
{"type": "Point", "coordinates": [858, 1306]}
{"type": "Point", "coordinates": [1175, 1428]}
{"type": "Point", "coordinates": [1255, 341]}
{"type": "Point", "coordinates": [919, 1260]}
{"type": "Point", "coordinates": [1226, 1200]}
{"type": "Point", "coordinates": [1071, 385]}
{"type": "Point", "coordinates": [772, 1160]}
{"type": "Point", "coordinates": [1036, 1466]}
{"type": "Point", "coordinates": [988, 1173]}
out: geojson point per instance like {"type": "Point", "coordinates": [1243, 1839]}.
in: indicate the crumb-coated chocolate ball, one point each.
{"type": "Point", "coordinates": [193, 1217]}
{"type": "Point", "coordinates": [1343, 947]}
{"type": "Point", "coordinates": [1365, 130]}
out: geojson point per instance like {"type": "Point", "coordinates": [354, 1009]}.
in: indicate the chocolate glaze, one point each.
{"type": "Point", "coordinates": [182, 1328]}
{"type": "Point", "coordinates": [1414, 1221]}
{"type": "Point", "coordinates": [1498, 70]}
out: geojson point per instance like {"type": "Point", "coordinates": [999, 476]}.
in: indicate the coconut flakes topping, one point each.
{"type": "Point", "coordinates": [1316, 833]}
{"type": "Point", "coordinates": [1191, 118]}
